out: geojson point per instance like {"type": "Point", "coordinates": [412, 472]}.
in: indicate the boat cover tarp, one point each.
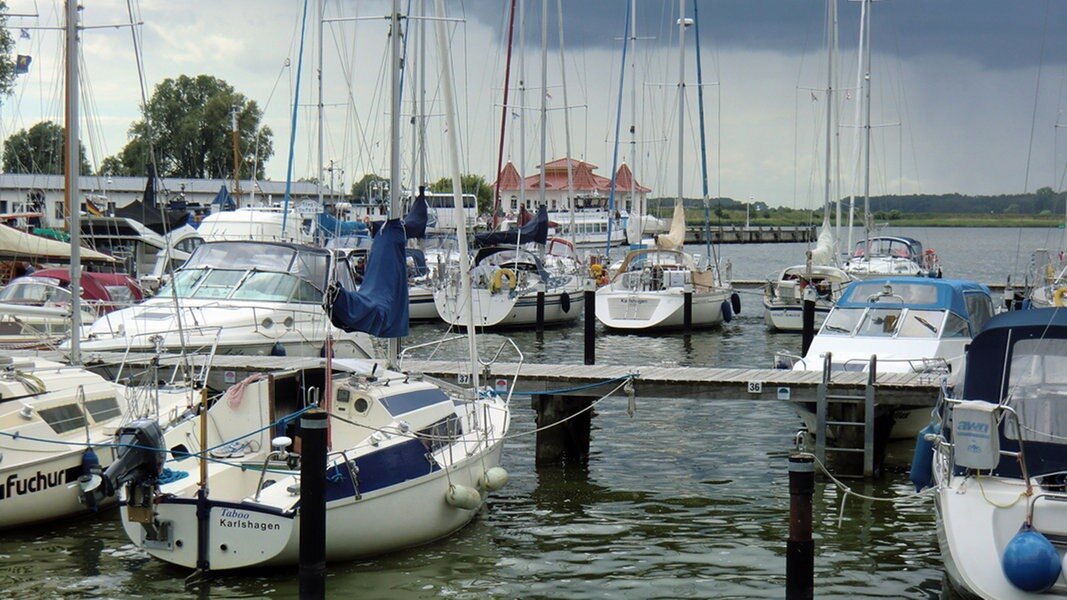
{"type": "Point", "coordinates": [332, 227]}
{"type": "Point", "coordinates": [534, 231]}
{"type": "Point", "coordinates": [223, 200]}
{"type": "Point", "coordinates": [380, 306]}
{"type": "Point", "coordinates": [999, 370]}
{"type": "Point", "coordinates": [913, 292]}
{"type": "Point", "coordinates": [675, 238]}
{"type": "Point", "coordinates": [16, 245]}
{"type": "Point", "coordinates": [415, 221]}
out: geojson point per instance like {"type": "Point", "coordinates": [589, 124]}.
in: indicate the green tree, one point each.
{"type": "Point", "coordinates": [40, 149]}
{"type": "Point", "coordinates": [188, 125]}
{"type": "Point", "coordinates": [361, 189]}
{"type": "Point", "coordinates": [472, 184]}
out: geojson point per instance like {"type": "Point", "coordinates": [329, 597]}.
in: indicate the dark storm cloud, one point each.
{"type": "Point", "coordinates": [997, 34]}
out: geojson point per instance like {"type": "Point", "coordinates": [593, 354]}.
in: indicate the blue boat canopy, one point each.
{"type": "Point", "coordinates": [380, 306]}
{"type": "Point", "coordinates": [912, 292]}
{"type": "Point", "coordinates": [1020, 359]}
{"type": "Point", "coordinates": [534, 231]}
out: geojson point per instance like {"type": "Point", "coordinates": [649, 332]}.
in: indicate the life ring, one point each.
{"type": "Point", "coordinates": [1057, 297]}
{"type": "Point", "coordinates": [497, 282]}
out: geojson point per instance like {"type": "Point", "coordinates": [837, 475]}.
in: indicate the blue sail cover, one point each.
{"type": "Point", "coordinates": [223, 200]}
{"type": "Point", "coordinates": [380, 306]}
{"type": "Point", "coordinates": [331, 226]}
{"type": "Point", "coordinates": [415, 221]}
{"type": "Point", "coordinates": [534, 231]}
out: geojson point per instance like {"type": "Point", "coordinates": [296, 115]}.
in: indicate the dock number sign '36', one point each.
{"type": "Point", "coordinates": [755, 387]}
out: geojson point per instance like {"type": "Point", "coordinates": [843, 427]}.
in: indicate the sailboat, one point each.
{"type": "Point", "coordinates": [819, 277]}
{"type": "Point", "coordinates": [881, 255]}
{"type": "Point", "coordinates": [665, 287]}
{"type": "Point", "coordinates": [995, 455]}
{"type": "Point", "coordinates": [411, 459]}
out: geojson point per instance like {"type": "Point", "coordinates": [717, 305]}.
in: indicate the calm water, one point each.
{"type": "Point", "coordinates": [686, 499]}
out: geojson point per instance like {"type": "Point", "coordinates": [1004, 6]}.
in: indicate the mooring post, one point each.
{"type": "Point", "coordinates": [807, 315]}
{"type": "Point", "coordinates": [563, 426]}
{"type": "Point", "coordinates": [541, 308]}
{"type": "Point", "coordinates": [687, 310]}
{"type": "Point", "coordinates": [313, 504]}
{"type": "Point", "coordinates": [590, 323]}
{"type": "Point", "coordinates": [800, 549]}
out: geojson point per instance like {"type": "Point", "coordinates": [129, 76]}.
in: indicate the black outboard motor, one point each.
{"type": "Point", "coordinates": [140, 457]}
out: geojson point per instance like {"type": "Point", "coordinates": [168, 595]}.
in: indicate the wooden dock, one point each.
{"type": "Point", "coordinates": [740, 234]}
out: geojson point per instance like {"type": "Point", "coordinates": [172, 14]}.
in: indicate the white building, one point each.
{"type": "Point", "coordinates": [44, 194]}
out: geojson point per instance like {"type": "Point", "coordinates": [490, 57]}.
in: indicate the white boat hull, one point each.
{"type": "Point", "coordinates": [790, 317]}
{"type": "Point", "coordinates": [662, 309]}
{"type": "Point", "coordinates": [243, 534]}
{"type": "Point", "coordinates": [503, 309]}
{"type": "Point", "coordinates": [976, 520]}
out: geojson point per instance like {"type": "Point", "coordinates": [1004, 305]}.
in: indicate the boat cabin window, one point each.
{"type": "Point", "coordinates": [880, 322]}
{"type": "Point", "coordinates": [34, 292]}
{"type": "Point", "coordinates": [103, 409]}
{"type": "Point", "coordinates": [900, 293]}
{"type": "Point", "coordinates": [1038, 389]}
{"type": "Point", "coordinates": [404, 403]}
{"type": "Point", "coordinates": [980, 308]}
{"type": "Point", "coordinates": [62, 419]}
{"type": "Point", "coordinates": [841, 321]}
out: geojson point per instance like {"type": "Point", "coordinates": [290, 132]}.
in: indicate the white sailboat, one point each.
{"type": "Point", "coordinates": [411, 460]}
{"type": "Point", "coordinates": [995, 457]}
{"type": "Point", "coordinates": [880, 255]}
{"type": "Point", "coordinates": [819, 277]}
{"type": "Point", "coordinates": [666, 287]}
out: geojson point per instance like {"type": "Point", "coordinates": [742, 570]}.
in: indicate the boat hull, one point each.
{"type": "Point", "coordinates": [656, 310]}
{"type": "Point", "coordinates": [790, 317]}
{"type": "Point", "coordinates": [502, 309]}
{"type": "Point", "coordinates": [246, 534]}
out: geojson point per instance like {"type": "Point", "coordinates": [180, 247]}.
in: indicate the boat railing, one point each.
{"type": "Point", "coordinates": [156, 338]}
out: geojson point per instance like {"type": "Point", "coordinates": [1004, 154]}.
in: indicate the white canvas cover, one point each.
{"type": "Point", "coordinates": [15, 244]}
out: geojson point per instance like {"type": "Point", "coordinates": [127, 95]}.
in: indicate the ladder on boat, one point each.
{"type": "Point", "coordinates": [849, 417]}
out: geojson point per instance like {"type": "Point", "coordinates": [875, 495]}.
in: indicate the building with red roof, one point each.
{"type": "Point", "coordinates": [590, 190]}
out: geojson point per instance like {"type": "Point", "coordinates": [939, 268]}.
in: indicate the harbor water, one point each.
{"type": "Point", "coordinates": [686, 498]}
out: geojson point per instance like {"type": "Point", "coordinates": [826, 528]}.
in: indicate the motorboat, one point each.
{"type": "Point", "coordinates": [783, 299]}
{"type": "Point", "coordinates": [35, 308]}
{"type": "Point", "coordinates": [57, 427]}
{"type": "Point", "coordinates": [996, 455]}
{"type": "Point", "coordinates": [889, 255]}
{"type": "Point", "coordinates": [901, 325]}
{"type": "Point", "coordinates": [240, 297]}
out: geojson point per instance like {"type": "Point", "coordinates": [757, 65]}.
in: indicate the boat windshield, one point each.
{"type": "Point", "coordinates": [880, 322]}
{"type": "Point", "coordinates": [842, 321]}
{"type": "Point", "coordinates": [1038, 389]}
{"type": "Point", "coordinates": [244, 271]}
{"type": "Point", "coordinates": [886, 247]}
{"type": "Point", "coordinates": [34, 292]}
{"type": "Point", "coordinates": [899, 292]}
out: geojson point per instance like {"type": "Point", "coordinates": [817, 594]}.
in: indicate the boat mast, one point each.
{"type": "Point", "coordinates": [72, 188]}
{"type": "Point", "coordinates": [831, 9]}
{"type": "Point", "coordinates": [522, 110]}
{"type": "Point", "coordinates": [544, 99]}
{"type": "Point", "coordinates": [566, 125]}
{"type": "Point", "coordinates": [503, 118]}
{"type": "Point", "coordinates": [868, 222]}
{"type": "Point", "coordinates": [236, 156]}
{"type": "Point", "coordinates": [320, 108]}
{"type": "Point", "coordinates": [457, 190]}
{"type": "Point", "coordinates": [394, 135]}
{"type": "Point", "coordinates": [703, 140]}
{"type": "Point", "coordinates": [682, 23]}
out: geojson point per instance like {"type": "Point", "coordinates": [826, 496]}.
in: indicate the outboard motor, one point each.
{"type": "Point", "coordinates": [140, 456]}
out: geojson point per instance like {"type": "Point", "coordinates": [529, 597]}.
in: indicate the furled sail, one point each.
{"type": "Point", "coordinates": [380, 306]}
{"type": "Point", "coordinates": [675, 238]}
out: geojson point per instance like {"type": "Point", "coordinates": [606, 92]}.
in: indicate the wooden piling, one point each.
{"type": "Point", "coordinates": [563, 426]}
{"type": "Point", "coordinates": [590, 324]}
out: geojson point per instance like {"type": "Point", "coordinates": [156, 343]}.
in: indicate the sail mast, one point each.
{"type": "Point", "coordinates": [72, 188]}
{"type": "Point", "coordinates": [457, 189]}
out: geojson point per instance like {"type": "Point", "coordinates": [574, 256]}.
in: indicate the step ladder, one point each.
{"type": "Point", "coordinates": [853, 434]}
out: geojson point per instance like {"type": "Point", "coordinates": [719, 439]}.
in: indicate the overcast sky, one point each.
{"type": "Point", "coordinates": [966, 94]}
